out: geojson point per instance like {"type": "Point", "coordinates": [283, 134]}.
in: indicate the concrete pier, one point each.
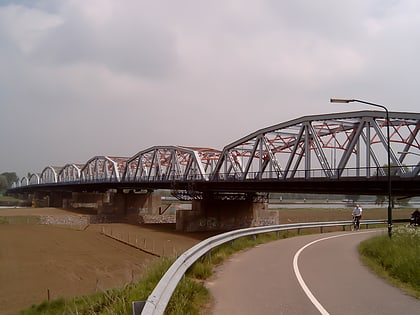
{"type": "Point", "coordinates": [218, 214]}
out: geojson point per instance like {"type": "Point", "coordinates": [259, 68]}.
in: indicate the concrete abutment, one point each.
{"type": "Point", "coordinates": [213, 214]}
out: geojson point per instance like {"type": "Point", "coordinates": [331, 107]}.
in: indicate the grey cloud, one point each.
{"type": "Point", "coordinates": [121, 45]}
{"type": "Point", "coordinates": [192, 73]}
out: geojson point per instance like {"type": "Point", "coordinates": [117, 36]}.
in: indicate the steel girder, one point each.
{"type": "Point", "coordinates": [170, 163]}
{"type": "Point", "coordinates": [329, 146]}
{"type": "Point", "coordinates": [103, 168]}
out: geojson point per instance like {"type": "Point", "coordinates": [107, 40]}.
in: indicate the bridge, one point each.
{"type": "Point", "coordinates": [341, 153]}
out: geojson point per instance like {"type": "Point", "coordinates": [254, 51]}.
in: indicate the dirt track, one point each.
{"type": "Point", "coordinates": [69, 261]}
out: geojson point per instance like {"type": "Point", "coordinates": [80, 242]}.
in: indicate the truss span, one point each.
{"type": "Point", "coordinates": [332, 146]}
{"type": "Point", "coordinates": [70, 173]}
{"type": "Point", "coordinates": [103, 168]}
{"type": "Point", "coordinates": [171, 163]}
{"type": "Point", "coordinates": [49, 175]}
{"type": "Point", "coordinates": [329, 146]}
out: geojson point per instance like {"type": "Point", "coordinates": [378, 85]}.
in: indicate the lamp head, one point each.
{"type": "Point", "coordinates": [340, 100]}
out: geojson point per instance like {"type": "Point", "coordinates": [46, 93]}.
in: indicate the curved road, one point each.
{"type": "Point", "coordinates": [265, 280]}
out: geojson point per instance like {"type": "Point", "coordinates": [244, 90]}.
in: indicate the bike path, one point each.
{"type": "Point", "coordinates": [263, 280]}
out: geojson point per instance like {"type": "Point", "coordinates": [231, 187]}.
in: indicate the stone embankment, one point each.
{"type": "Point", "coordinates": [54, 216]}
{"type": "Point", "coordinates": [15, 203]}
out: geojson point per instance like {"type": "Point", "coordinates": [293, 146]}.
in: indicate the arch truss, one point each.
{"type": "Point", "coordinates": [330, 146]}
{"type": "Point", "coordinates": [70, 173]}
{"type": "Point", "coordinates": [169, 163]}
{"type": "Point", "coordinates": [49, 175]}
{"type": "Point", "coordinates": [103, 168]}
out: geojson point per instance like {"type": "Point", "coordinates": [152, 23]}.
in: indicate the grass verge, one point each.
{"type": "Point", "coordinates": [396, 259]}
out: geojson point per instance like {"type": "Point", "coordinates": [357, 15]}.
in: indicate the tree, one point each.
{"type": "Point", "coordinates": [4, 184]}
{"type": "Point", "coordinates": [11, 178]}
{"type": "Point", "coordinates": [6, 181]}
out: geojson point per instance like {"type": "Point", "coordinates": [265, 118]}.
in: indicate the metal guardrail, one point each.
{"type": "Point", "coordinates": [159, 298]}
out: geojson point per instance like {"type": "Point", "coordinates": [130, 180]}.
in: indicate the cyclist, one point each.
{"type": "Point", "coordinates": [357, 215]}
{"type": "Point", "coordinates": [415, 218]}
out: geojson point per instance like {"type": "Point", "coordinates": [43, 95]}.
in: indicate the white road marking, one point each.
{"type": "Point", "coordinates": [299, 277]}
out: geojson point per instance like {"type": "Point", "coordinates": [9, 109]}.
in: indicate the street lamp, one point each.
{"type": "Point", "coordinates": [340, 100]}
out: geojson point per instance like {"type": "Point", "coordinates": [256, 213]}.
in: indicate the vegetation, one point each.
{"type": "Point", "coordinates": [396, 259]}
{"type": "Point", "coordinates": [6, 181]}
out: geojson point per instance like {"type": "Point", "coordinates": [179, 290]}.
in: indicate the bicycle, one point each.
{"type": "Point", "coordinates": [355, 226]}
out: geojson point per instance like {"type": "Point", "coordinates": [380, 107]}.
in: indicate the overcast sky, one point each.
{"type": "Point", "coordinates": [83, 78]}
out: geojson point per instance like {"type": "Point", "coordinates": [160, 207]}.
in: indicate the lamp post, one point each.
{"type": "Point", "coordinates": [340, 100]}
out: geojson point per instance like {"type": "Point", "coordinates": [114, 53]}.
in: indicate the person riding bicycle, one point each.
{"type": "Point", "coordinates": [415, 218]}
{"type": "Point", "coordinates": [357, 214]}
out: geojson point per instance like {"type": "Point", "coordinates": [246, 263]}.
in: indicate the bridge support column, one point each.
{"type": "Point", "coordinates": [40, 200]}
{"type": "Point", "coordinates": [143, 205]}
{"type": "Point", "coordinates": [118, 202]}
{"type": "Point", "coordinates": [237, 211]}
{"type": "Point", "coordinates": [57, 198]}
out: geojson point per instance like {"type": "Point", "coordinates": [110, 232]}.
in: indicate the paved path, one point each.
{"type": "Point", "coordinates": [264, 281]}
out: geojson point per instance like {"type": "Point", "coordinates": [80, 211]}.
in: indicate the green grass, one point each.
{"type": "Point", "coordinates": [8, 198]}
{"type": "Point", "coordinates": [396, 259]}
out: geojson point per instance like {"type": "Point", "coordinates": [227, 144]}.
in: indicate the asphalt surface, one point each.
{"type": "Point", "coordinates": [264, 280]}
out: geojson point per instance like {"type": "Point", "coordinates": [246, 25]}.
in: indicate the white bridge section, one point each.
{"type": "Point", "coordinates": [168, 163]}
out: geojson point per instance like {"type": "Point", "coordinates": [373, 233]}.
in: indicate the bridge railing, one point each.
{"type": "Point", "coordinates": [159, 298]}
{"type": "Point", "coordinates": [365, 172]}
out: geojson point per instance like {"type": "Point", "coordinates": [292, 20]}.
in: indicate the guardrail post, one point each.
{"type": "Point", "coordinates": [322, 229]}
{"type": "Point", "coordinates": [138, 307]}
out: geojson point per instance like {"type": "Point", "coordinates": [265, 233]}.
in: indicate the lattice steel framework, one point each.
{"type": "Point", "coordinates": [49, 175]}
{"type": "Point", "coordinates": [70, 173]}
{"type": "Point", "coordinates": [330, 146]}
{"type": "Point", "coordinates": [169, 163]}
{"type": "Point", "coordinates": [103, 168]}
{"type": "Point", "coordinates": [34, 179]}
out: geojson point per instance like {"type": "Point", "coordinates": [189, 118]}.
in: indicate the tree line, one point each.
{"type": "Point", "coordinates": [6, 181]}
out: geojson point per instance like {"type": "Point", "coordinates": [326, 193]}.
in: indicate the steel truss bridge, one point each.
{"type": "Point", "coordinates": [343, 153]}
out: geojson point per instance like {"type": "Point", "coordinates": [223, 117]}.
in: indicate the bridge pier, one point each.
{"type": "Point", "coordinates": [226, 212]}
{"type": "Point", "coordinates": [117, 202]}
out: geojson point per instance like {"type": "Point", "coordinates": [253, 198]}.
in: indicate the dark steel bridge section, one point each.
{"type": "Point", "coordinates": [342, 153]}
